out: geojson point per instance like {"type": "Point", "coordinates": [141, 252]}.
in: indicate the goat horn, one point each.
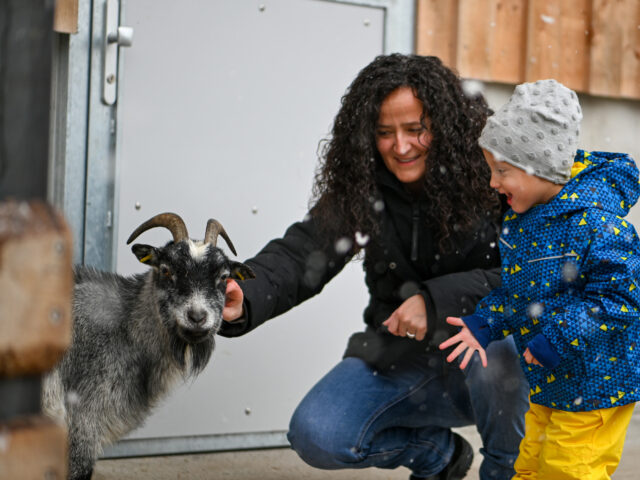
{"type": "Point", "coordinates": [214, 228]}
{"type": "Point", "coordinates": [168, 220]}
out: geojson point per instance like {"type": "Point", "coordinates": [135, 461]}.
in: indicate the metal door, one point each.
{"type": "Point", "coordinates": [220, 108]}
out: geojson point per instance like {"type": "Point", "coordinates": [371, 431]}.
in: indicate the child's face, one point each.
{"type": "Point", "coordinates": [523, 190]}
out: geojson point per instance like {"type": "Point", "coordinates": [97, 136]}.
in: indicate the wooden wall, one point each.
{"type": "Point", "coordinates": [592, 46]}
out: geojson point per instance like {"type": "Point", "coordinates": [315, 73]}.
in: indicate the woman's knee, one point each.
{"type": "Point", "coordinates": [321, 441]}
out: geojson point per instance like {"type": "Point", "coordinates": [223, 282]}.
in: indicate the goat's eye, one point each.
{"type": "Point", "coordinates": [164, 271]}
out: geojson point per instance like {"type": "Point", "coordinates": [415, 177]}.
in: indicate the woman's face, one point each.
{"type": "Point", "coordinates": [401, 139]}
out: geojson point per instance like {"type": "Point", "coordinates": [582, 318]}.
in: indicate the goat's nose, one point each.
{"type": "Point", "coordinates": [196, 316]}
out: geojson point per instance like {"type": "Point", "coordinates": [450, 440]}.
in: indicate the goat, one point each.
{"type": "Point", "coordinates": [134, 337]}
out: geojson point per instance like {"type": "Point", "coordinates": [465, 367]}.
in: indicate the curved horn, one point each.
{"type": "Point", "coordinates": [168, 220]}
{"type": "Point", "coordinates": [214, 228]}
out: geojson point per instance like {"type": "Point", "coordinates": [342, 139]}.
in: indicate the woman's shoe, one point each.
{"type": "Point", "coordinates": [459, 464]}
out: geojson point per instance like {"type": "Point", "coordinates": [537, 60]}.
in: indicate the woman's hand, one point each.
{"type": "Point", "coordinates": [233, 303]}
{"type": "Point", "coordinates": [409, 319]}
{"type": "Point", "coordinates": [466, 341]}
{"type": "Point", "coordinates": [529, 358]}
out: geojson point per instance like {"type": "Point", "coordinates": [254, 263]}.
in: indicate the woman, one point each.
{"type": "Point", "coordinates": [403, 181]}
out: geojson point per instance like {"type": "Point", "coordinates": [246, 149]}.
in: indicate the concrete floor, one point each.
{"type": "Point", "coordinates": [284, 464]}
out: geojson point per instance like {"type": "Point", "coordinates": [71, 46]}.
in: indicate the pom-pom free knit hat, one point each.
{"type": "Point", "coordinates": [537, 130]}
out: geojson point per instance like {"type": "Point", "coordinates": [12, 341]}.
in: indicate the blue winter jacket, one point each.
{"type": "Point", "coordinates": [570, 289]}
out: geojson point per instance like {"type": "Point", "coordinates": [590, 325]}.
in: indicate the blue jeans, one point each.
{"type": "Point", "coordinates": [356, 417]}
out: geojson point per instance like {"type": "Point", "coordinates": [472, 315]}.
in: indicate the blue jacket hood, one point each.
{"type": "Point", "coordinates": [606, 180]}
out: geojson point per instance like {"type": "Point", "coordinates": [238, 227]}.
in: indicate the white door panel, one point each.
{"type": "Point", "coordinates": [221, 107]}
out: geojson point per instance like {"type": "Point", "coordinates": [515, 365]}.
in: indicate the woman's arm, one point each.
{"type": "Point", "coordinates": [289, 270]}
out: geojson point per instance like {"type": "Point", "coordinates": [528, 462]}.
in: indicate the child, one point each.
{"type": "Point", "coordinates": [570, 294]}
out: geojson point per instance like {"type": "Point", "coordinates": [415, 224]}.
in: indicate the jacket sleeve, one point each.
{"type": "Point", "coordinates": [457, 294]}
{"type": "Point", "coordinates": [610, 295]}
{"type": "Point", "coordinates": [289, 270]}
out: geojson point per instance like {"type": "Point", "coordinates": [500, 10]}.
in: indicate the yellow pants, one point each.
{"type": "Point", "coordinates": [560, 445]}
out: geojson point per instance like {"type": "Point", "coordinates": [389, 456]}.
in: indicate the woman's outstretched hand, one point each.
{"type": "Point", "coordinates": [409, 319]}
{"type": "Point", "coordinates": [233, 303]}
{"type": "Point", "coordinates": [466, 341]}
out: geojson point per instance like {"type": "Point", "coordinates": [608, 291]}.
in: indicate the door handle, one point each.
{"type": "Point", "coordinates": [123, 36]}
{"type": "Point", "coordinates": [115, 36]}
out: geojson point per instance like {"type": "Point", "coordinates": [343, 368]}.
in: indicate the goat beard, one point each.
{"type": "Point", "coordinates": [199, 353]}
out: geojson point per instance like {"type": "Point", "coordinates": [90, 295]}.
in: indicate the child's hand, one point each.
{"type": "Point", "coordinates": [529, 358]}
{"type": "Point", "coordinates": [466, 341]}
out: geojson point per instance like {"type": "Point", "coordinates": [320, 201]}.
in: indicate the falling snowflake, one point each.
{"type": "Point", "coordinates": [343, 245]}
{"type": "Point", "coordinates": [569, 272]}
{"type": "Point", "coordinates": [362, 239]}
{"type": "Point", "coordinates": [535, 310]}
{"type": "Point", "coordinates": [73, 398]}
{"type": "Point", "coordinates": [547, 19]}
{"type": "Point", "coordinates": [472, 88]}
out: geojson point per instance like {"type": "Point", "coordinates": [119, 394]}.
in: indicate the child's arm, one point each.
{"type": "Point", "coordinates": [542, 352]}
{"type": "Point", "coordinates": [529, 358]}
{"type": "Point", "coordinates": [466, 341]}
{"type": "Point", "coordinates": [609, 298]}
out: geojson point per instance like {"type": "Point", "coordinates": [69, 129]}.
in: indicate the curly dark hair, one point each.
{"type": "Point", "coordinates": [457, 177]}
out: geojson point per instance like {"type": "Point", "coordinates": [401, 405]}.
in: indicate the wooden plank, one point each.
{"type": "Point", "coordinates": [630, 20]}
{"type": "Point", "coordinates": [575, 21]}
{"type": "Point", "coordinates": [475, 21]}
{"type": "Point", "coordinates": [65, 16]}
{"type": "Point", "coordinates": [544, 33]}
{"type": "Point", "coordinates": [615, 48]}
{"type": "Point", "coordinates": [35, 287]}
{"type": "Point", "coordinates": [509, 41]}
{"type": "Point", "coordinates": [436, 29]}
{"type": "Point", "coordinates": [558, 42]}
{"type": "Point", "coordinates": [491, 39]}
{"type": "Point", "coordinates": [32, 448]}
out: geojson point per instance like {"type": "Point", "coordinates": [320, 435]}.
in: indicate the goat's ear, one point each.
{"type": "Point", "coordinates": [146, 254]}
{"type": "Point", "coordinates": [240, 271]}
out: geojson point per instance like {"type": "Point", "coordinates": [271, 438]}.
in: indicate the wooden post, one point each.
{"type": "Point", "coordinates": [65, 16]}
{"type": "Point", "coordinates": [36, 282]}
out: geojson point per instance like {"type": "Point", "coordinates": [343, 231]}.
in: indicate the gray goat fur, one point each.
{"type": "Point", "coordinates": [135, 337]}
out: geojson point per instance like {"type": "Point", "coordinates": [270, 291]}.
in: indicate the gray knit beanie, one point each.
{"type": "Point", "coordinates": [537, 130]}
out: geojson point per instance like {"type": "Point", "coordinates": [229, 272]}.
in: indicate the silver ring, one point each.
{"type": "Point", "coordinates": [411, 335]}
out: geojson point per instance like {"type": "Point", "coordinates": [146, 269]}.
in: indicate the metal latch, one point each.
{"type": "Point", "coordinates": [114, 36]}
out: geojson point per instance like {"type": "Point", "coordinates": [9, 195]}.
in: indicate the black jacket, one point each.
{"type": "Point", "coordinates": [402, 261]}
